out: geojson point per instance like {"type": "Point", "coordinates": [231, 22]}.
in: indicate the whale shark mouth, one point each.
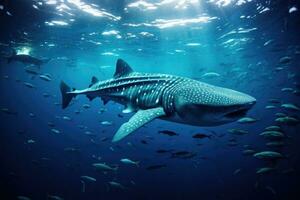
{"type": "Point", "coordinates": [237, 113]}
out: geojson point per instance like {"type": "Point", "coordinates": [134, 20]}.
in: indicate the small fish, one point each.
{"type": "Point", "coordinates": [293, 9]}
{"type": "Point", "coordinates": [272, 134]}
{"type": "Point", "coordinates": [89, 133]}
{"type": "Point", "coordinates": [280, 115]}
{"type": "Point", "coordinates": [287, 120]}
{"type": "Point", "coordinates": [116, 185]}
{"type": "Point", "coordinates": [275, 144]}
{"type": "Point", "coordinates": [46, 95]}
{"type": "Point", "coordinates": [183, 154]}
{"type": "Point", "coordinates": [31, 70]}
{"type": "Point", "coordinates": [29, 85]}
{"type": "Point", "coordinates": [273, 128]}
{"type": "Point", "coordinates": [149, 137]}
{"type": "Point", "coordinates": [45, 159]}
{"type": "Point", "coordinates": [248, 152]}
{"type": "Point", "coordinates": [132, 182]}
{"type": "Point", "coordinates": [201, 136]}
{"type": "Point", "coordinates": [264, 170]}
{"type": "Point", "coordinates": [245, 120]}
{"type": "Point", "coordinates": [291, 75]}
{"type": "Point", "coordinates": [8, 13]}
{"type": "Point", "coordinates": [268, 155]}
{"type": "Point", "coordinates": [144, 142]}
{"type": "Point", "coordinates": [290, 106]}
{"type": "Point", "coordinates": [55, 131]}
{"type": "Point", "coordinates": [30, 141]}
{"type": "Point", "coordinates": [268, 42]}
{"type": "Point", "coordinates": [270, 107]}
{"type": "Point", "coordinates": [102, 110]}
{"type": "Point", "coordinates": [168, 132]}
{"type": "Point", "coordinates": [232, 143]}
{"type": "Point", "coordinates": [88, 178]}
{"type": "Point", "coordinates": [45, 78]}
{"type": "Point", "coordinates": [271, 190]}
{"type": "Point", "coordinates": [104, 167]}
{"type": "Point", "coordinates": [273, 100]}
{"type": "Point", "coordinates": [51, 124]}
{"type": "Point", "coordinates": [67, 118]}
{"type": "Point", "coordinates": [237, 171]}
{"type": "Point", "coordinates": [210, 75]}
{"type": "Point", "coordinates": [23, 198]}
{"type": "Point", "coordinates": [103, 139]}
{"type": "Point", "coordinates": [163, 151]}
{"type": "Point", "coordinates": [296, 92]}
{"type": "Point", "coordinates": [82, 127]}
{"type": "Point", "coordinates": [86, 106]}
{"type": "Point", "coordinates": [9, 112]}
{"type": "Point", "coordinates": [130, 162]}
{"type": "Point", "coordinates": [279, 69]}
{"type": "Point", "coordinates": [237, 131]}
{"type": "Point", "coordinates": [287, 89]}
{"type": "Point", "coordinates": [71, 150]}
{"type": "Point", "coordinates": [154, 167]}
{"type": "Point", "coordinates": [54, 197]}
{"type": "Point", "coordinates": [108, 123]}
{"type": "Point", "coordinates": [285, 60]}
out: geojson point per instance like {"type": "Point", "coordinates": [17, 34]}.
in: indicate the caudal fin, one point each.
{"type": "Point", "coordinates": [66, 95]}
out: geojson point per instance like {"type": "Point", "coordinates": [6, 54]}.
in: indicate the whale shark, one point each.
{"type": "Point", "coordinates": [167, 97]}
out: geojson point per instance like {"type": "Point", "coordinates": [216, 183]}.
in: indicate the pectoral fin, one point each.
{"type": "Point", "coordinates": [137, 120]}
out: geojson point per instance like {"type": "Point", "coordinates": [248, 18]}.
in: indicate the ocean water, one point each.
{"type": "Point", "coordinates": [250, 46]}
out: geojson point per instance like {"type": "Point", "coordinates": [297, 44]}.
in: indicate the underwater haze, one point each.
{"type": "Point", "coordinates": [56, 145]}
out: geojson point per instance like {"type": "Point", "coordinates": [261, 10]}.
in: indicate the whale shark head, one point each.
{"type": "Point", "coordinates": [202, 104]}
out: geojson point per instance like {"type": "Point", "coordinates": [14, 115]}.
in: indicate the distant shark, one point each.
{"type": "Point", "coordinates": [26, 59]}
{"type": "Point", "coordinates": [167, 97]}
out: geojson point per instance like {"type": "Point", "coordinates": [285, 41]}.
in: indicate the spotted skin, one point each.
{"type": "Point", "coordinates": [168, 97]}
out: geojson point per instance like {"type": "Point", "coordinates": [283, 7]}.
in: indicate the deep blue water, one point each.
{"type": "Point", "coordinates": [242, 41]}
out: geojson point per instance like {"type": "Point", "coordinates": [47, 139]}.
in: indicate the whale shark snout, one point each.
{"type": "Point", "coordinates": [207, 105]}
{"type": "Point", "coordinates": [238, 111]}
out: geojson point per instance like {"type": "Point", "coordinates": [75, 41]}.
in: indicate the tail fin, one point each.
{"type": "Point", "coordinates": [66, 95]}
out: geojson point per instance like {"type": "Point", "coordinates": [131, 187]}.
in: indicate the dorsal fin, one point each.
{"type": "Point", "coordinates": [93, 81]}
{"type": "Point", "coordinates": [122, 69]}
